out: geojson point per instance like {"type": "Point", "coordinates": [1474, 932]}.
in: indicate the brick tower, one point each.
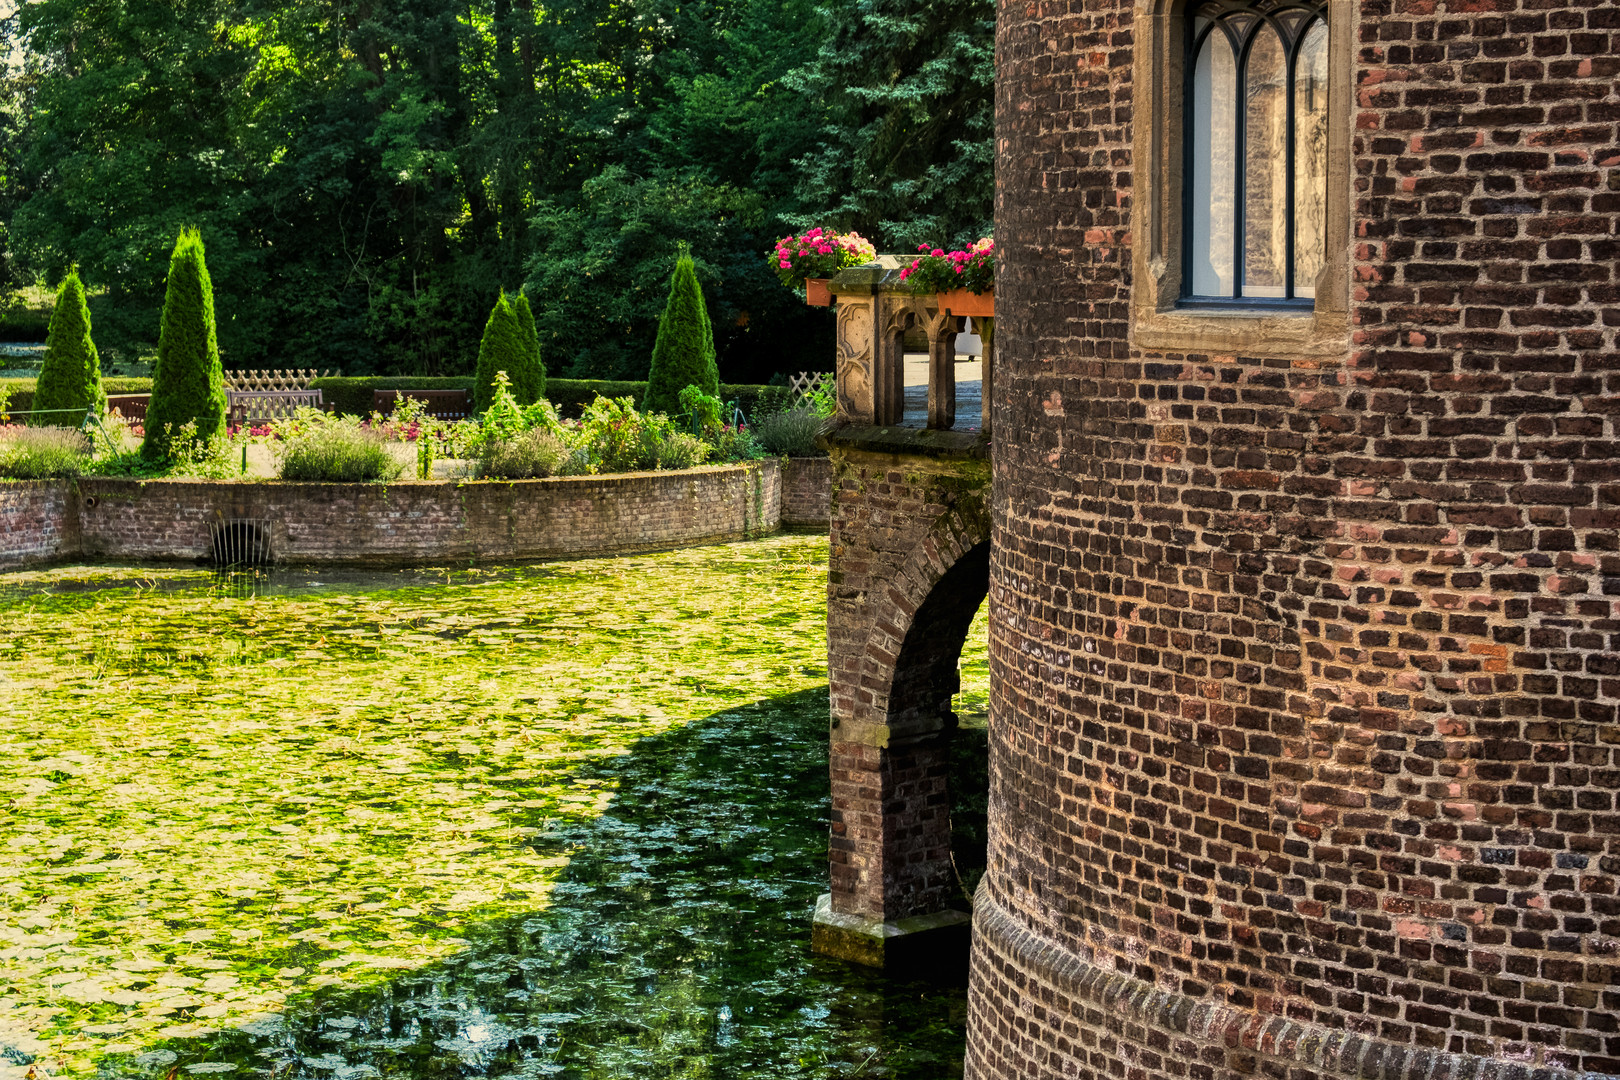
{"type": "Point", "coordinates": [1305, 649]}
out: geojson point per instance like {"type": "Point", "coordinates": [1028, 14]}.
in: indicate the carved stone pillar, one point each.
{"type": "Point", "coordinates": [942, 331]}
{"type": "Point", "coordinates": [986, 325]}
{"type": "Point", "coordinates": [857, 350]}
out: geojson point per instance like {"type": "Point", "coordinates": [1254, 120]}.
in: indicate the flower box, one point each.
{"type": "Point", "coordinates": [963, 302]}
{"type": "Point", "coordinates": [816, 291]}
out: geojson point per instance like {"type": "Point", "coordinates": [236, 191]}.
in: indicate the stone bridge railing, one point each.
{"type": "Point", "coordinates": [875, 312]}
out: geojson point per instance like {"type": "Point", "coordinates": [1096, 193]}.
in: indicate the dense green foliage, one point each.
{"type": "Point", "coordinates": [532, 455]}
{"type": "Point", "coordinates": [70, 377]}
{"type": "Point", "coordinates": [368, 174]}
{"type": "Point", "coordinates": [683, 354]}
{"type": "Point", "coordinates": [906, 154]}
{"type": "Point", "coordinates": [502, 349]}
{"type": "Point", "coordinates": [529, 381]}
{"type": "Point", "coordinates": [354, 395]}
{"type": "Point", "coordinates": [20, 322]}
{"type": "Point", "coordinates": [188, 386]}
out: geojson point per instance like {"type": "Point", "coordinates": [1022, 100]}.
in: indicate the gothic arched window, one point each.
{"type": "Point", "coordinates": [1255, 186]}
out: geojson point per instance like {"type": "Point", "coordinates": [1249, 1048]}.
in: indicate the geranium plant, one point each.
{"type": "Point", "coordinates": [937, 270]}
{"type": "Point", "coordinates": [819, 253]}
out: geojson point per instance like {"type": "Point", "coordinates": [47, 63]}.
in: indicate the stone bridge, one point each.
{"type": "Point", "coordinates": [909, 568]}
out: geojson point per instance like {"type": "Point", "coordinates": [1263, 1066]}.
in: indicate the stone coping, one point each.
{"type": "Point", "coordinates": [921, 442]}
{"type": "Point", "coordinates": [1332, 1051]}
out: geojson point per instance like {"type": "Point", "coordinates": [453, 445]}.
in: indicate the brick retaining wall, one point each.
{"type": "Point", "coordinates": [394, 523]}
{"type": "Point", "coordinates": [807, 491]}
{"type": "Point", "coordinates": [36, 522]}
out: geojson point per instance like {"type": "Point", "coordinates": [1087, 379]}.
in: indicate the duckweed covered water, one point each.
{"type": "Point", "coordinates": [547, 821]}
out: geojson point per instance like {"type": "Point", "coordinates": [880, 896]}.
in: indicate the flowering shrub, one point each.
{"type": "Point", "coordinates": [937, 270]}
{"type": "Point", "coordinates": [252, 431]}
{"type": "Point", "coordinates": [818, 254]}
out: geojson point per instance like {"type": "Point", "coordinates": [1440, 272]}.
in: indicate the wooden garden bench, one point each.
{"type": "Point", "coordinates": [441, 404]}
{"type": "Point", "coordinates": [131, 407]}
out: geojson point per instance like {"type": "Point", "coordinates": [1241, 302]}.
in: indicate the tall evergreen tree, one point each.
{"type": "Point", "coordinates": [70, 378]}
{"type": "Point", "coordinates": [529, 383]}
{"type": "Point", "coordinates": [188, 383]}
{"type": "Point", "coordinates": [907, 153]}
{"type": "Point", "coordinates": [684, 352]}
{"type": "Point", "coordinates": [501, 349]}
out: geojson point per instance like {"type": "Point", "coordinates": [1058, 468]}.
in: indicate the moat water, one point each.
{"type": "Point", "coordinates": [675, 941]}
{"type": "Point", "coordinates": [676, 945]}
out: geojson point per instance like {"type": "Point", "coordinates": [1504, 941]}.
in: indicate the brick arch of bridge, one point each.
{"type": "Point", "coordinates": [908, 571]}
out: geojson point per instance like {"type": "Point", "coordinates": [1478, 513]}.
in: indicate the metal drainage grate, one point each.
{"type": "Point", "coordinates": [240, 542]}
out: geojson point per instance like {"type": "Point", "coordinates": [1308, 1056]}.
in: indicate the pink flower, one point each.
{"type": "Point", "coordinates": [937, 252]}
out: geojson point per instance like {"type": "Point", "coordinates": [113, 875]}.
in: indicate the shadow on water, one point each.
{"type": "Point", "coordinates": [676, 945]}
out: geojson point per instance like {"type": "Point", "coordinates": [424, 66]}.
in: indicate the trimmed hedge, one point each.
{"type": "Point", "coordinates": [24, 324]}
{"type": "Point", "coordinates": [572, 395]}
{"type": "Point", "coordinates": [22, 390]}
{"type": "Point", "coordinates": [353, 396]}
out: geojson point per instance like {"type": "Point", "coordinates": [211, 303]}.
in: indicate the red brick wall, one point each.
{"type": "Point", "coordinates": [373, 523]}
{"type": "Point", "coordinates": [35, 525]}
{"type": "Point", "coordinates": [807, 491]}
{"type": "Point", "coordinates": [1304, 673]}
{"type": "Point", "coordinates": [906, 576]}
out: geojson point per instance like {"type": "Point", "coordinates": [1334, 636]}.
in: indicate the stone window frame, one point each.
{"type": "Point", "coordinates": [1157, 322]}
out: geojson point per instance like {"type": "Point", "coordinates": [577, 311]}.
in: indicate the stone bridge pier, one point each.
{"type": "Point", "coordinates": [909, 568]}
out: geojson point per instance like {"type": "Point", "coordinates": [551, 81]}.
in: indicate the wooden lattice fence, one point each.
{"type": "Point", "coordinates": [289, 379]}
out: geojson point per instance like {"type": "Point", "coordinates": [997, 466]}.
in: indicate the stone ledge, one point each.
{"type": "Point", "coordinates": [916, 442]}
{"type": "Point", "coordinates": [1336, 1052]}
{"type": "Point", "coordinates": [921, 943]}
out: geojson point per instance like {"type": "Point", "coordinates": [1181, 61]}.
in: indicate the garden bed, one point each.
{"type": "Point", "coordinates": [399, 523]}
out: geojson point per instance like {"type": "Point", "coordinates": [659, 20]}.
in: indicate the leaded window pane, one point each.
{"type": "Point", "coordinates": [1310, 157]}
{"type": "Point", "coordinates": [1214, 119]}
{"type": "Point", "coordinates": [1265, 166]}
{"type": "Point", "coordinates": [1256, 168]}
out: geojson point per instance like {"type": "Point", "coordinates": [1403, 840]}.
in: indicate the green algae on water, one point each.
{"type": "Point", "coordinates": [215, 803]}
{"type": "Point", "coordinates": [563, 820]}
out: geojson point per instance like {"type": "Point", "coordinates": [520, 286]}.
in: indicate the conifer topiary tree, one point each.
{"type": "Point", "coordinates": [502, 349]}
{"type": "Point", "coordinates": [528, 384]}
{"type": "Point", "coordinates": [70, 379]}
{"type": "Point", "coordinates": [188, 384]}
{"type": "Point", "coordinates": [684, 352]}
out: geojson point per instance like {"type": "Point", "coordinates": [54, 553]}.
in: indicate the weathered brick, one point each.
{"type": "Point", "coordinates": [1416, 875]}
